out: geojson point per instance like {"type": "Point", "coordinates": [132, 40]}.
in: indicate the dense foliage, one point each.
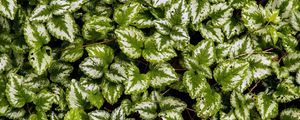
{"type": "Point", "coordinates": [149, 59]}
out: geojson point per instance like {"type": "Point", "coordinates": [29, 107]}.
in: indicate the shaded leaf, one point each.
{"type": "Point", "coordinates": [40, 59]}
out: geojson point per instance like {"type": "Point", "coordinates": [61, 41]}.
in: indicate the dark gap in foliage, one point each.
{"type": "Point", "coordinates": [195, 37]}
{"type": "Point", "coordinates": [206, 20]}
{"type": "Point", "coordinates": [148, 31]}
{"type": "Point", "coordinates": [262, 2]}
{"type": "Point", "coordinates": [175, 62]}
{"type": "Point", "coordinates": [143, 65]}
{"type": "Point", "coordinates": [76, 73]}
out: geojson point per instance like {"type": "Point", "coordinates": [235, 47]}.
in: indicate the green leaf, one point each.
{"type": "Point", "coordinates": [228, 116]}
{"type": "Point", "coordinates": [295, 20]}
{"type": "Point", "coordinates": [8, 8]}
{"type": "Point", "coordinates": [171, 115]}
{"type": "Point", "coordinates": [41, 13]}
{"type": "Point", "coordinates": [72, 53]}
{"type": "Point", "coordinates": [266, 107]}
{"type": "Point", "coordinates": [76, 114]}
{"type": "Point", "coordinates": [232, 28]}
{"type": "Point", "coordinates": [274, 35]}
{"type": "Point", "coordinates": [6, 40]}
{"type": "Point", "coordinates": [153, 55]}
{"type": "Point", "coordinates": [111, 91]}
{"type": "Point", "coordinates": [93, 67]}
{"type": "Point", "coordinates": [15, 114]}
{"type": "Point", "coordinates": [286, 92]}
{"type": "Point", "coordinates": [291, 61]}
{"type": "Point", "coordinates": [43, 101]}
{"type": "Point", "coordinates": [195, 84]}
{"type": "Point", "coordinates": [260, 65]}
{"type": "Point", "coordinates": [60, 71]}
{"type": "Point", "coordinates": [101, 51]}
{"type": "Point", "coordinates": [230, 74]}
{"type": "Point", "coordinates": [253, 16]}
{"type": "Point", "coordinates": [59, 7]}
{"type": "Point", "coordinates": [97, 28]}
{"type": "Point", "coordinates": [4, 24]}
{"type": "Point", "coordinates": [290, 114]}
{"type": "Point", "coordinates": [199, 11]}
{"type": "Point", "coordinates": [63, 27]}
{"type": "Point", "coordinates": [161, 75]}
{"type": "Point", "coordinates": [130, 41]}
{"type": "Point", "coordinates": [208, 105]}
{"type": "Point", "coordinates": [126, 13]}
{"type": "Point", "coordinates": [136, 84]}
{"type": "Point", "coordinates": [76, 4]}
{"type": "Point", "coordinates": [146, 109]}
{"type": "Point", "coordinates": [76, 95]}
{"type": "Point", "coordinates": [99, 115]}
{"type": "Point", "coordinates": [96, 100]}
{"type": "Point", "coordinates": [238, 4]}
{"type": "Point", "coordinates": [221, 13]}
{"type": "Point", "coordinates": [40, 59]}
{"type": "Point", "coordinates": [171, 104]}
{"type": "Point", "coordinates": [121, 71]}
{"type": "Point", "coordinates": [36, 35]}
{"type": "Point", "coordinates": [38, 116]}
{"type": "Point", "coordinates": [5, 62]}
{"type": "Point", "coordinates": [17, 95]}
{"type": "Point", "coordinates": [178, 13]}
{"type": "Point", "coordinates": [210, 32]}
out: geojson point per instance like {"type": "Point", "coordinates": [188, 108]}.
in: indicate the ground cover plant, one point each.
{"type": "Point", "coordinates": [149, 59]}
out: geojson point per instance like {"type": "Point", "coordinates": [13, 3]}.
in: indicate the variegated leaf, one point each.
{"type": "Point", "coordinates": [76, 4]}
{"type": "Point", "coordinates": [210, 32]}
{"type": "Point", "coordinates": [146, 109]}
{"type": "Point", "coordinates": [96, 99]}
{"type": "Point", "coordinates": [76, 96]}
{"type": "Point", "coordinates": [163, 26]}
{"type": "Point", "coordinates": [136, 84]}
{"type": "Point", "coordinates": [121, 71]}
{"type": "Point", "coordinates": [5, 62]}
{"type": "Point", "coordinates": [178, 13]}
{"type": "Point", "coordinates": [162, 41]}
{"type": "Point", "coordinates": [93, 67]}
{"type": "Point", "coordinates": [76, 114]}
{"type": "Point", "coordinates": [161, 75]}
{"type": "Point", "coordinates": [99, 115]}
{"type": "Point", "coordinates": [72, 53]}
{"type": "Point", "coordinates": [238, 4]}
{"type": "Point", "coordinates": [131, 41]}
{"type": "Point", "coordinates": [40, 59]}
{"type": "Point", "coordinates": [285, 7]}
{"type": "Point", "coordinates": [195, 84]}
{"type": "Point", "coordinates": [36, 35]}
{"type": "Point", "coordinates": [5, 24]}
{"type": "Point", "coordinates": [59, 7]}
{"type": "Point", "coordinates": [243, 45]}
{"type": "Point", "coordinates": [228, 116]}
{"type": "Point", "coordinates": [230, 74]}
{"type": "Point", "coordinates": [179, 33]}
{"type": "Point", "coordinates": [43, 101]}
{"type": "Point", "coordinates": [290, 114]}
{"type": "Point", "coordinates": [8, 8]}
{"type": "Point", "coordinates": [292, 61]}
{"type": "Point", "coordinates": [208, 105]}
{"type": "Point", "coordinates": [153, 55]}
{"type": "Point", "coordinates": [286, 92]}
{"type": "Point", "coordinates": [126, 13]}
{"type": "Point", "coordinates": [161, 3]}
{"type": "Point", "coordinates": [171, 104]}
{"type": "Point", "coordinates": [118, 114]}
{"type": "Point", "coordinates": [295, 20]}
{"type": "Point", "coordinates": [60, 71]}
{"type": "Point", "coordinates": [232, 28]}
{"type": "Point", "coordinates": [41, 13]}
{"type": "Point", "coordinates": [199, 11]}
{"type": "Point", "coordinates": [63, 27]}
{"type": "Point", "coordinates": [6, 40]}
{"type": "Point", "coordinates": [90, 85]}
{"type": "Point", "coordinates": [260, 65]}
{"type": "Point", "coordinates": [266, 106]}
{"type": "Point", "coordinates": [171, 115]}
{"type": "Point", "coordinates": [97, 28]}
{"type": "Point", "coordinates": [253, 16]}
{"type": "Point", "coordinates": [221, 13]}
{"type": "Point", "coordinates": [111, 91]}
{"type": "Point", "coordinates": [142, 20]}
{"type": "Point", "coordinates": [101, 51]}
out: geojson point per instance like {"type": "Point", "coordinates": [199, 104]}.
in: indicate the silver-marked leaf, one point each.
{"type": "Point", "coordinates": [178, 13]}
{"type": "Point", "coordinates": [76, 114]}
{"type": "Point", "coordinates": [232, 28]}
{"type": "Point", "coordinates": [76, 96]}
{"type": "Point", "coordinates": [243, 45]}
{"type": "Point", "coordinates": [146, 109]}
{"type": "Point", "coordinates": [210, 32]}
{"type": "Point", "coordinates": [40, 59]}
{"type": "Point", "coordinates": [221, 13]}
{"type": "Point", "coordinates": [59, 97]}
{"type": "Point", "coordinates": [162, 74]}
{"type": "Point", "coordinates": [118, 114]}
{"type": "Point", "coordinates": [153, 55]}
{"type": "Point", "coordinates": [208, 105]}
{"type": "Point", "coordinates": [171, 104]}
{"type": "Point", "coordinates": [4, 24]}
{"type": "Point", "coordinates": [179, 33]}
{"type": "Point", "coordinates": [289, 42]}
{"type": "Point", "coordinates": [59, 7]}
{"type": "Point", "coordinates": [63, 27]}
{"type": "Point", "coordinates": [131, 41]}
{"type": "Point", "coordinates": [17, 95]}
{"type": "Point", "coordinates": [163, 26]}
{"type": "Point", "coordinates": [43, 101]}
{"type": "Point", "coordinates": [285, 7]}
{"type": "Point", "coordinates": [136, 84]}
{"type": "Point", "coordinates": [162, 41]}
{"type": "Point", "coordinates": [36, 35]}
{"type": "Point", "coordinates": [8, 8]}
{"type": "Point", "coordinates": [238, 4]}
{"type": "Point", "coordinates": [171, 115]}
{"type": "Point", "coordinates": [15, 113]}
{"type": "Point", "coordinates": [260, 65]}
{"type": "Point", "coordinates": [34, 82]}
{"type": "Point", "coordinates": [111, 91]}
{"type": "Point", "coordinates": [242, 113]}
{"type": "Point", "coordinates": [60, 71]}
{"type": "Point", "coordinates": [290, 114]}
{"type": "Point", "coordinates": [199, 11]}
{"type": "Point", "coordinates": [127, 106]}
{"type": "Point", "coordinates": [72, 53]}
{"type": "Point", "coordinates": [230, 74]}
{"type": "Point", "coordinates": [121, 71]}
{"type": "Point", "coordinates": [292, 61]}
{"type": "Point", "coordinates": [195, 84]}
{"type": "Point", "coordinates": [295, 20]}
{"type": "Point", "coordinates": [99, 115]}
{"type": "Point", "coordinates": [160, 3]}
{"type": "Point", "coordinates": [90, 85]}
{"type": "Point", "coordinates": [101, 51]}
{"type": "Point", "coordinates": [97, 27]}
{"type": "Point", "coordinates": [228, 116]}
{"type": "Point", "coordinates": [266, 106]}
{"type": "Point", "coordinates": [286, 92]}
{"type": "Point", "coordinates": [76, 4]}
{"type": "Point", "coordinates": [5, 62]}
{"type": "Point", "coordinates": [126, 13]}
{"type": "Point", "coordinates": [253, 16]}
{"type": "Point", "coordinates": [93, 67]}
{"type": "Point", "coordinates": [142, 20]}
{"type": "Point", "coordinates": [41, 13]}
{"type": "Point", "coordinates": [96, 99]}
{"type": "Point", "coordinates": [38, 116]}
{"type": "Point", "coordinates": [6, 40]}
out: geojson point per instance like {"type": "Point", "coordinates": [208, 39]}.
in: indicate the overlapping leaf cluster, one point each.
{"type": "Point", "coordinates": [125, 59]}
